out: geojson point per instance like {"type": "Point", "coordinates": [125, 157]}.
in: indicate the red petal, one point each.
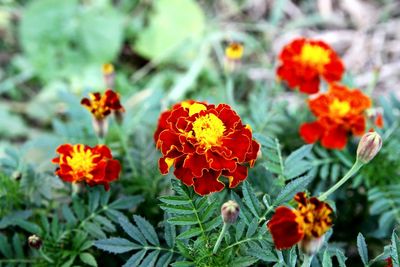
{"type": "Point", "coordinates": [237, 176]}
{"type": "Point", "coordinates": [335, 138]}
{"type": "Point", "coordinates": [208, 183]}
{"type": "Point", "coordinates": [218, 162]}
{"type": "Point", "coordinates": [311, 132]}
{"type": "Point", "coordinates": [197, 164]}
{"type": "Point", "coordinates": [284, 229]}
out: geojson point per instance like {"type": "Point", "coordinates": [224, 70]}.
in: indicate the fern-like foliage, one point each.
{"type": "Point", "coordinates": [386, 204]}
{"type": "Point", "coordinates": [144, 242]}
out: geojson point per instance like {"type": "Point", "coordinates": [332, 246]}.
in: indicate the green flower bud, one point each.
{"type": "Point", "coordinates": [369, 146]}
{"type": "Point", "coordinates": [230, 212]}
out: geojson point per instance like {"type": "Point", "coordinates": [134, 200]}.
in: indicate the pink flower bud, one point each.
{"type": "Point", "coordinates": [369, 146]}
{"type": "Point", "coordinates": [230, 212]}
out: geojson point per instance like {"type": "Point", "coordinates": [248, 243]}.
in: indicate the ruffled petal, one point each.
{"type": "Point", "coordinates": [311, 132]}
{"type": "Point", "coordinates": [334, 138]}
{"type": "Point", "coordinates": [208, 183]}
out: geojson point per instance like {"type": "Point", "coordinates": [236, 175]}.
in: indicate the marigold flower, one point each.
{"type": "Point", "coordinates": [204, 142]}
{"type": "Point", "coordinates": [309, 221]}
{"type": "Point", "coordinates": [304, 62]}
{"type": "Point", "coordinates": [35, 242]}
{"type": "Point", "coordinates": [339, 112]}
{"type": "Point", "coordinates": [234, 51]}
{"type": "Point", "coordinates": [81, 163]}
{"type": "Point", "coordinates": [102, 105]}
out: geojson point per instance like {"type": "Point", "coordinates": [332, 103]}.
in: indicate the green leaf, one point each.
{"type": "Point", "coordinates": [340, 257]}
{"type": "Point", "coordinates": [250, 199]}
{"type": "Point", "coordinates": [326, 260]}
{"type": "Point", "coordinates": [150, 259]}
{"type": "Point", "coordinates": [292, 188]}
{"type": "Point", "coordinates": [68, 215]}
{"type": "Point", "coordinates": [147, 230]}
{"type": "Point", "coordinates": [135, 259]}
{"type": "Point", "coordinates": [17, 245]}
{"type": "Point", "coordinates": [244, 261]}
{"type": "Point", "coordinates": [395, 249]}
{"type": "Point", "coordinates": [175, 200]}
{"type": "Point", "coordinates": [94, 197]}
{"type": "Point", "coordinates": [176, 209]}
{"type": "Point", "coordinates": [5, 247]}
{"type": "Point", "coordinates": [132, 230]}
{"type": "Point", "coordinates": [116, 245]}
{"type": "Point", "coordinates": [190, 233]}
{"type": "Point", "coordinates": [94, 230]}
{"type": "Point", "coordinates": [126, 202]}
{"type": "Point", "coordinates": [183, 220]}
{"type": "Point", "coordinates": [164, 260]}
{"type": "Point", "coordinates": [173, 25]}
{"type": "Point", "coordinates": [297, 155]}
{"type": "Point", "coordinates": [88, 259]}
{"type": "Point", "coordinates": [169, 231]}
{"type": "Point", "coordinates": [362, 249]}
{"type": "Point", "coordinates": [30, 227]}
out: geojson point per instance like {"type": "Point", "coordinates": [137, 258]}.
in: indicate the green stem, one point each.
{"type": "Point", "coordinates": [230, 90]}
{"type": "Point", "coordinates": [354, 169]}
{"type": "Point", "coordinates": [221, 235]}
{"type": "Point", "coordinates": [124, 144]}
{"type": "Point", "coordinates": [307, 260]}
{"type": "Point", "coordinates": [17, 261]}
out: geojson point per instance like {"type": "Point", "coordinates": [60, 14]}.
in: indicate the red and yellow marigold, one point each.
{"type": "Point", "coordinates": [102, 105]}
{"type": "Point", "coordinates": [204, 142]}
{"type": "Point", "coordinates": [309, 221]}
{"type": "Point", "coordinates": [339, 111]}
{"type": "Point", "coordinates": [81, 163]}
{"type": "Point", "coordinates": [305, 62]}
{"type": "Point", "coordinates": [234, 51]}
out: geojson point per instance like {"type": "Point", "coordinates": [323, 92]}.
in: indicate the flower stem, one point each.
{"type": "Point", "coordinates": [230, 90]}
{"type": "Point", "coordinates": [354, 169]}
{"type": "Point", "coordinates": [221, 235]}
{"type": "Point", "coordinates": [307, 260]}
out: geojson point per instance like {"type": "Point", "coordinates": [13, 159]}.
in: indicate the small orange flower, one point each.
{"type": "Point", "coordinates": [204, 142]}
{"type": "Point", "coordinates": [81, 163]}
{"type": "Point", "coordinates": [312, 219]}
{"type": "Point", "coordinates": [339, 112]}
{"type": "Point", "coordinates": [102, 105]}
{"type": "Point", "coordinates": [304, 62]}
{"type": "Point", "coordinates": [379, 120]}
{"type": "Point", "coordinates": [234, 51]}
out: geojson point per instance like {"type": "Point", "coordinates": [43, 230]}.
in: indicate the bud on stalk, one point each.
{"type": "Point", "coordinates": [369, 146]}
{"type": "Point", "coordinates": [230, 212]}
{"type": "Point", "coordinates": [34, 241]}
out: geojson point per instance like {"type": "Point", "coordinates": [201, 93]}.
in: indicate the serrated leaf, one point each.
{"type": "Point", "coordinates": [164, 260]}
{"type": "Point", "coordinates": [175, 200]}
{"type": "Point", "coordinates": [88, 259]}
{"type": "Point", "coordinates": [176, 209]}
{"type": "Point", "coordinates": [251, 199]}
{"type": "Point", "coordinates": [292, 188]}
{"type": "Point", "coordinates": [132, 230]}
{"type": "Point", "coordinates": [341, 258]}
{"type": "Point", "coordinates": [326, 260]}
{"type": "Point", "coordinates": [17, 245]}
{"type": "Point", "coordinates": [299, 168]}
{"type": "Point", "coordinates": [244, 261]}
{"type": "Point", "coordinates": [190, 233]}
{"type": "Point", "coordinates": [107, 224]}
{"type": "Point", "coordinates": [273, 167]}
{"type": "Point", "coordinates": [116, 245]}
{"type": "Point", "coordinates": [94, 230]}
{"type": "Point", "coordinates": [395, 249]}
{"type": "Point", "coordinates": [94, 197]}
{"type": "Point", "coordinates": [169, 231]}
{"type": "Point", "coordinates": [68, 215]}
{"type": "Point", "coordinates": [135, 259]}
{"type": "Point", "coordinates": [126, 202]}
{"type": "Point", "coordinates": [362, 249]}
{"type": "Point", "coordinates": [5, 247]}
{"type": "Point", "coordinates": [252, 228]}
{"type": "Point", "coordinates": [212, 224]}
{"type": "Point", "coordinates": [298, 155]}
{"type": "Point", "coordinates": [183, 220]}
{"type": "Point", "coordinates": [147, 230]}
{"type": "Point", "coordinates": [150, 259]}
{"type": "Point", "coordinates": [30, 227]}
{"type": "Point", "coordinates": [239, 230]}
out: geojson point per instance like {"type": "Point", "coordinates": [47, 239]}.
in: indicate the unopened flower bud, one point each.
{"type": "Point", "coordinates": [230, 212]}
{"type": "Point", "coordinates": [311, 245]}
{"type": "Point", "coordinates": [369, 146]}
{"type": "Point", "coordinates": [16, 175]}
{"type": "Point", "coordinates": [34, 241]}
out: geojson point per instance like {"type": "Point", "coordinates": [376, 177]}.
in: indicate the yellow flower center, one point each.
{"type": "Point", "coordinates": [314, 55]}
{"type": "Point", "coordinates": [339, 108]}
{"type": "Point", "coordinates": [81, 162]}
{"type": "Point", "coordinates": [208, 130]}
{"type": "Point", "coordinates": [107, 68]}
{"type": "Point", "coordinates": [234, 51]}
{"type": "Point", "coordinates": [314, 222]}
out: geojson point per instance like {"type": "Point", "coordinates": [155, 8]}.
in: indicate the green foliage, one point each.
{"type": "Point", "coordinates": [69, 39]}
{"type": "Point", "coordinates": [386, 204]}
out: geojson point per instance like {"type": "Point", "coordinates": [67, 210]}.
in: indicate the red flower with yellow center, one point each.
{"type": "Point", "coordinates": [81, 163]}
{"type": "Point", "coordinates": [304, 62]}
{"type": "Point", "coordinates": [339, 112]}
{"type": "Point", "coordinates": [311, 220]}
{"type": "Point", "coordinates": [204, 142]}
{"type": "Point", "coordinates": [102, 105]}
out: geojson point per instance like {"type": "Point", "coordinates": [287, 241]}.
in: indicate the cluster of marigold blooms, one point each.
{"type": "Point", "coordinates": [206, 143]}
